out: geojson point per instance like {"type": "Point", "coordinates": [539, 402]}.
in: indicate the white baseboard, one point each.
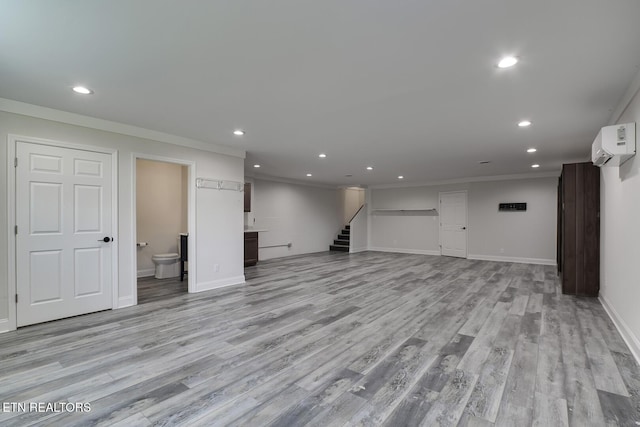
{"type": "Point", "coordinates": [627, 334]}
{"type": "Point", "coordinates": [220, 283]}
{"type": "Point", "coordinates": [540, 261]}
{"type": "Point", "coordinates": [4, 325]}
{"type": "Point", "coordinates": [125, 302]}
{"type": "Point", "coordinates": [262, 257]}
{"type": "Point", "coordinates": [356, 250]}
{"type": "Point", "coordinates": [147, 272]}
{"type": "Point", "coordinates": [405, 251]}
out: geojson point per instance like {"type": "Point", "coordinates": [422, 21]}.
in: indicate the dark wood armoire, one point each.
{"type": "Point", "coordinates": [579, 229]}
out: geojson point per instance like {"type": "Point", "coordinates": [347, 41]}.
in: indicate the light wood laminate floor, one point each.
{"type": "Point", "coordinates": [336, 339]}
{"type": "Point", "coordinates": [151, 289]}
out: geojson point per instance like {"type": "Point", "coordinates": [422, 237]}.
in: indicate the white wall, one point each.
{"type": "Point", "coordinates": [620, 240]}
{"type": "Point", "coordinates": [511, 236]}
{"type": "Point", "coordinates": [219, 239]}
{"type": "Point", "coordinates": [530, 236]}
{"type": "Point", "coordinates": [359, 237]}
{"type": "Point", "coordinates": [406, 231]}
{"type": "Point", "coordinates": [306, 216]}
{"type": "Point", "coordinates": [161, 210]}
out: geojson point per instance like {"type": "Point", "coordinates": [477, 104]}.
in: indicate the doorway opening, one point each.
{"type": "Point", "coordinates": [162, 222]}
{"type": "Point", "coordinates": [351, 200]}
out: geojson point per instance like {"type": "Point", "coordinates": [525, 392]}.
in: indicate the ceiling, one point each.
{"type": "Point", "coordinates": [409, 87]}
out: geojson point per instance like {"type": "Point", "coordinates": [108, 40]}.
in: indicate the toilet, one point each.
{"type": "Point", "coordinates": [167, 265]}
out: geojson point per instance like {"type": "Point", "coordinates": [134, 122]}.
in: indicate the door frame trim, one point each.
{"type": "Point", "coordinates": [12, 141]}
{"type": "Point", "coordinates": [191, 218]}
{"type": "Point", "coordinates": [466, 219]}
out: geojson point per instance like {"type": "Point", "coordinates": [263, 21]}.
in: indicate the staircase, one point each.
{"type": "Point", "coordinates": [341, 244]}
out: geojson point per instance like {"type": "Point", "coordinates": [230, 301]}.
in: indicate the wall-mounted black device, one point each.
{"type": "Point", "coordinates": [512, 207]}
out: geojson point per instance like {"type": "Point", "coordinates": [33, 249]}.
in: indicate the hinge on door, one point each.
{"type": "Point", "coordinates": [16, 229]}
{"type": "Point", "coordinates": [16, 298]}
{"type": "Point", "coordinates": [15, 162]}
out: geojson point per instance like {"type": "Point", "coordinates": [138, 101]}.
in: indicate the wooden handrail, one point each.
{"type": "Point", "coordinates": [354, 215]}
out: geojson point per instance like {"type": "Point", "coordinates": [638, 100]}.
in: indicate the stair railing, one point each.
{"type": "Point", "coordinates": [354, 215]}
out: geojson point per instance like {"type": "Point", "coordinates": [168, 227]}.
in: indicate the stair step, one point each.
{"type": "Point", "coordinates": [339, 248]}
{"type": "Point", "coordinates": [343, 237]}
{"type": "Point", "coordinates": [341, 242]}
{"type": "Point", "coordinates": [348, 227]}
{"type": "Point", "coordinates": [346, 231]}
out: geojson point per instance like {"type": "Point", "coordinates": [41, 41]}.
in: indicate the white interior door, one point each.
{"type": "Point", "coordinates": [63, 214]}
{"type": "Point", "coordinates": [453, 224]}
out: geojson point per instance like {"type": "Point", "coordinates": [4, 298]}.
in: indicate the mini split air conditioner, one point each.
{"type": "Point", "coordinates": [614, 145]}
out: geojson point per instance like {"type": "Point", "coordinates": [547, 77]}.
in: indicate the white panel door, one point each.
{"type": "Point", "coordinates": [63, 214]}
{"type": "Point", "coordinates": [453, 224]}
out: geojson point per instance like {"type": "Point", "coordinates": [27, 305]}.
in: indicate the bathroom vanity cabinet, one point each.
{"type": "Point", "coordinates": [184, 254]}
{"type": "Point", "coordinates": [250, 248]}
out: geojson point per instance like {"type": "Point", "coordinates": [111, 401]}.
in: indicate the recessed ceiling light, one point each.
{"type": "Point", "coordinates": [238, 132]}
{"type": "Point", "coordinates": [348, 175]}
{"type": "Point", "coordinates": [507, 61]}
{"type": "Point", "coordinates": [82, 90]}
{"type": "Point", "coordinates": [369, 168]}
{"type": "Point", "coordinates": [322, 155]}
{"type": "Point", "coordinates": [484, 162]}
{"type": "Point", "coordinates": [524, 123]}
{"type": "Point", "coordinates": [400, 177]}
{"type": "Point", "coordinates": [535, 166]}
{"type": "Point", "coordinates": [531, 150]}
{"type": "Point", "coordinates": [309, 174]}
{"type": "Point", "coordinates": [256, 166]}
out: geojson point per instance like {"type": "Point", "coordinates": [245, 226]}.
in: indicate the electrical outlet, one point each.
{"type": "Point", "coordinates": [501, 250]}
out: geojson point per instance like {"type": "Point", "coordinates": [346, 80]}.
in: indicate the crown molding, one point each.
{"type": "Point", "coordinates": [66, 117]}
{"type": "Point", "coordinates": [289, 181]}
{"type": "Point", "coordinates": [412, 184]}
{"type": "Point", "coordinates": [469, 180]}
{"type": "Point", "coordinates": [352, 187]}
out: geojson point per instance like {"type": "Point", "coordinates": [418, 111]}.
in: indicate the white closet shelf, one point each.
{"type": "Point", "coordinates": [403, 210]}
{"type": "Point", "coordinates": [431, 211]}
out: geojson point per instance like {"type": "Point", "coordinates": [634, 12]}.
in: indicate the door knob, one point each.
{"type": "Point", "coordinates": [464, 228]}
{"type": "Point", "coordinates": [106, 239]}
